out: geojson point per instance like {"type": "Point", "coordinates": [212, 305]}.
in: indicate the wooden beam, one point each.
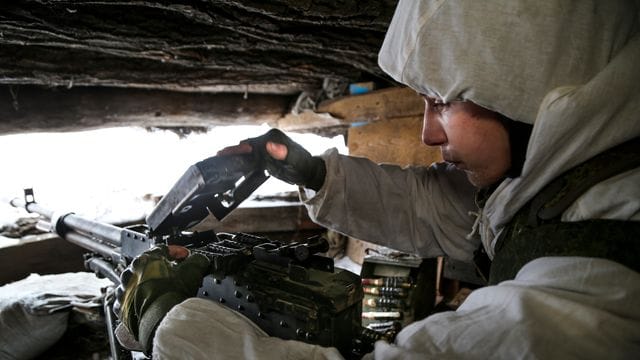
{"type": "Point", "coordinates": [389, 103]}
{"type": "Point", "coordinates": [309, 120]}
{"type": "Point", "coordinates": [30, 108]}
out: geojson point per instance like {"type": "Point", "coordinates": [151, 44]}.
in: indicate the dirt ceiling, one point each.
{"type": "Point", "coordinates": [78, 64]}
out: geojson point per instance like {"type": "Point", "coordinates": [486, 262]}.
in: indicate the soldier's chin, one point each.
{"type": "Point", "coordinates": [481, 180]}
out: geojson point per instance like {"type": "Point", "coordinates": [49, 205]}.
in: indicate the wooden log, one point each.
{"type": "Point", "coordinates": [191, 45]}
{"type": "Point", "coordinates": [29, 108]}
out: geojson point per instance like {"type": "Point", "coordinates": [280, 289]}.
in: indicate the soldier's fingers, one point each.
{"type": "Point", "coordinates": [277, 151]}
{"type": "Point", "coordinates": [177, 252]}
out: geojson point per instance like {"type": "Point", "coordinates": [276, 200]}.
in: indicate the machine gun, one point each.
{"type": "Point", "coordinates": [285, 289]}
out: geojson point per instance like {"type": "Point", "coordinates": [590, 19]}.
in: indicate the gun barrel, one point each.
{"type": "Point", "coordinates": [105, 232]}
{"type": "Point", "coordinates": [84, 242]}
{"type": "Point", "coordinates": [63, 223]}
{"type": "Point", "coordinates": [91, 245]}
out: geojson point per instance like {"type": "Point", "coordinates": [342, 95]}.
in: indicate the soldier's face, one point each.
{"type": "Point", "coordinates": [470, 137]}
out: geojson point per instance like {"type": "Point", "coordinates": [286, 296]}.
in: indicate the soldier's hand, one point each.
{"type": "Point", "coordinates": [155, 281]}
{"type": "Point", "coordinates": [283, 158]}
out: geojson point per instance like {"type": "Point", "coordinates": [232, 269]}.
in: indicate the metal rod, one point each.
{"type": "Point", "coordinates": [117, 351]}
{"type": "Point", "coordinates": [105, 232]}
{"type": "Point", "coordinates": [102, 267]}
{"type": "Point", "coordinates": [113, 344]}
{"type": "Point", "coordinates": [91, 245]}
{"type": "Point", "coordinates": [43, 225]}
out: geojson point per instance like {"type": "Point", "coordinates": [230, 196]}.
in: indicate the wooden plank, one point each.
{"type": "Point", "coordinates": [309, 120]}
{"type": "Point", "coordinates": [394, 141]}
{"type": "Point", "coordinates": [382, 104]}
{"type": "Point", "coordinates": [379, 105]}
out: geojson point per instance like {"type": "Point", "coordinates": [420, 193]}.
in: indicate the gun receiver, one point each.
{"type": "Point", "coordinates": [288, 292]}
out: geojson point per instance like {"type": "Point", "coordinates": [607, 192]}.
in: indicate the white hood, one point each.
{"type": "Point", "coordinates": [569, 68]}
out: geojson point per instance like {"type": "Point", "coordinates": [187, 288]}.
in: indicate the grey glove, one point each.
{"type": "Point", "coordinates": [299, 167]}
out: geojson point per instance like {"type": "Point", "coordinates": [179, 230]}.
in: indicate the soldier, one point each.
{"type": "Point", "coordinates": [534, 106]}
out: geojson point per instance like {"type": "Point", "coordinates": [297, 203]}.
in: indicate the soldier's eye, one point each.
{"type": "Point", "coordinates": [434, 103]}
{"type": "Point", "coordinates": [439, 105]}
